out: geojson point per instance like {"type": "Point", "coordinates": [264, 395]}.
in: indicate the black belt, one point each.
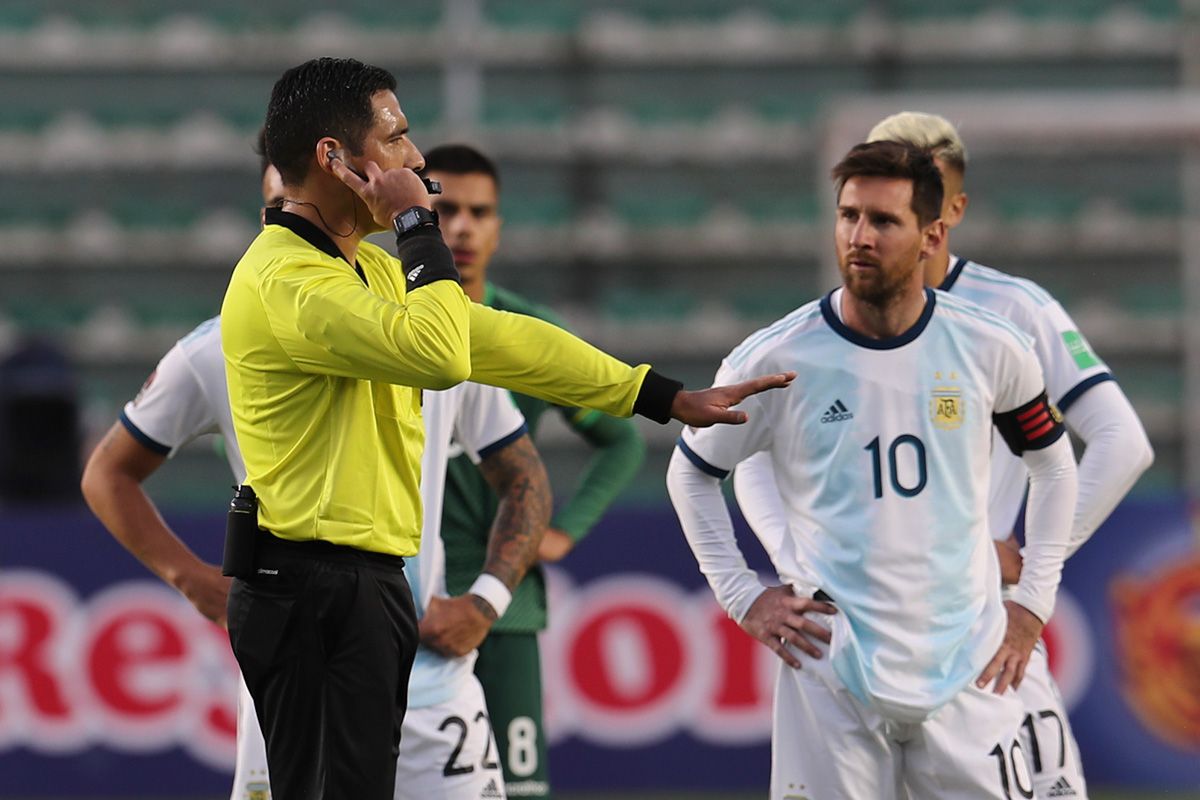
{"type": "Point", "coordinates": [321, 550]}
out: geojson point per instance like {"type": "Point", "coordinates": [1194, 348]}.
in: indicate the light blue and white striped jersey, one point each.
{"type": "Point", "coordinates": [186, 397]}
{"type": "Point", "coordinates": [479, 420]}
{"type": "Point", "coordinates": [881, 451]}
{"type": "Point", "coordinates": [1070, 365]}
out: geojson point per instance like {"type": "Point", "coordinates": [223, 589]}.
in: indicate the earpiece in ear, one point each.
{"type": "Point", "coordinates": [334, 154]}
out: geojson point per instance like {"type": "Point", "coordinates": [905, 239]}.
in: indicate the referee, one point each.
{"type": "Point", "coordinates": [328, 341]}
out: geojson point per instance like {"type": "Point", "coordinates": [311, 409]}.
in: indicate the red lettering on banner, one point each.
{"type": "Point", "coordinates": [128, 648]}
{"type": "Point", "coordinates": [592, 666]}
{"type": "Point", "coordinates": [219, 702]}
{"type": "Point", "coordinates": [738, 653]}
{"type": "Point", "coordinates": [32, 630]}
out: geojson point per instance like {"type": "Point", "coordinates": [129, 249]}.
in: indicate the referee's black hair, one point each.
{"type": "Point", "coordinates": [260, 150]}
{"type": "Point", "coordinates": [884, 159]}
{"type": "Point", "coordinates": [461, 159]}
{"type": "Point", "coordinates": [321, 97]}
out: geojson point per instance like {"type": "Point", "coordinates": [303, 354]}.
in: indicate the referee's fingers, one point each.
{"type": "Point", "coordinates": [760, 384]}
{"type": "Point", "coordinates": [346, 175]}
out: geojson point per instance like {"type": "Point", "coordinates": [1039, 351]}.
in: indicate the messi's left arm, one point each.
{"type": "Point", "coordinates": [1116, 453]}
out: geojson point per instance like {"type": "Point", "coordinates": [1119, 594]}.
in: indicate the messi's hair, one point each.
{"type": "Point", "coordinates": [896, 160]}
{"type": "Point", "coordinates": [461, 159]}
{"type": "Point", "coordinates": [927, 131]}
{"type": "Point", "coordinates": [321, 97]}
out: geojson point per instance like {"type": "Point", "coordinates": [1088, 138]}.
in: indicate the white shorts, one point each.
{"type": "Point", "coordinates": [250, 772]}
{"type": "Point", "coordinates": [1050, 749]}
{"type": "Point", "coordinates": [826, 743]}
{"type": "Point", "coordinates": [447, 751]}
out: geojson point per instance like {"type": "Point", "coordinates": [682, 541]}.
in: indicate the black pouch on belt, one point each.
{"type": "Point", "coordinates": [241, 534]}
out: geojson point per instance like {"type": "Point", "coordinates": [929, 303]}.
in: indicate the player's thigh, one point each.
{"type": "Point", "coordinates": [969, 750]}
{"type": "Point", "coordinates": [509, 667]}
{"type": "Point", "coordinates": [824, 742]}
{"type": "Point", "coordinates": [447, 751]}
{"type": "Point", "coordinates": [250, 779]}
{"type": "Point", "coordinates": [1046, 737]}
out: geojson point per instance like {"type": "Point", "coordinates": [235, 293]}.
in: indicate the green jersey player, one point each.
{"type": "Point", "coordinates": [509, 661]}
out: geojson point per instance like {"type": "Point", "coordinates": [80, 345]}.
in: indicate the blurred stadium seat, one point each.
{"type": "Point", "coordinates": [660, 158]}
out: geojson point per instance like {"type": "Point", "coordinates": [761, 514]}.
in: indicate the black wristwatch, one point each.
{"type": "Point", "coordinates": [413, 218]}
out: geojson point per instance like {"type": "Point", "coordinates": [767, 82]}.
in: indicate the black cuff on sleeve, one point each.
{"type": "Point", "coordinates": [656, 396]}
{"type": "Point", "coordinates": [1035, 425]}
{"type": "Point", "coordinates": [425, 257]}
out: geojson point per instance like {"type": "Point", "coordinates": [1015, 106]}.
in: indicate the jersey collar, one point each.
{"type": "Point", "coordinates": [854, 337]}
{"type": "Point", "coordinates": [309, 233]}
{"type": "Point", "coordinates": [952, 275]}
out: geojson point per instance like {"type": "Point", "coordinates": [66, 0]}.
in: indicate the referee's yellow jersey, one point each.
{"type": "Point", "coordinates": [322, 360]}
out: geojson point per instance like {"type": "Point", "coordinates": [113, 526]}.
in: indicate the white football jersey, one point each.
{"type": "Point", "coordinates": [881, 451]}
{"type": "Point", "coordinates": [480, 420]}
{"type": "Point", "coordinates": [1070, 365]}
{"type": "Point", "coordinates": [186, 397]}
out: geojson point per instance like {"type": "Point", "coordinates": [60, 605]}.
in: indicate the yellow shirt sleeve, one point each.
{"type": "Point", "coordinates": [329, 323]}
{"type": "Point", "coordinates": [533, 357]}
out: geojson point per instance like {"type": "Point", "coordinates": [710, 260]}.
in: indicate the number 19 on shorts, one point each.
{"type": "Point", "coordinates": [902, 462]}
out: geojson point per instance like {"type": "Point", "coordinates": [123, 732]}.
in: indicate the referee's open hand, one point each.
{"type": "Point", "coordinates": [777, 618]}
{"type": "Point", "coordinates": [707, 407]}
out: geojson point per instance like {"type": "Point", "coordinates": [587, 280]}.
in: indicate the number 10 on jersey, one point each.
{"type": "Point", "coordinates": [907, 485]}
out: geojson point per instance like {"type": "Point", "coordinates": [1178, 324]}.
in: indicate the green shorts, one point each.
{"type": "Point", "coordinates": [510, 669]}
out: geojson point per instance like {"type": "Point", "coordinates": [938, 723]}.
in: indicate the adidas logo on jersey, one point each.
{"type": "Point", "coordinates": [491, 790]}
{"type": "Point", "coordinates": [1062, 788]}
{"type": "Point", "coordinates": [837, 413]}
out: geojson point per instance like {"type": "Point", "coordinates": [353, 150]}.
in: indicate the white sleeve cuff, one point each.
{"type": "Point", "coordinates": [493, 590]}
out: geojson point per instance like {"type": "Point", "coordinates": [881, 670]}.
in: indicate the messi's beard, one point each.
{"type": "Point", "coordinates": [879, 287]}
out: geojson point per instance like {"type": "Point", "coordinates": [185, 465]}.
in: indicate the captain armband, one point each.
{"type": "Point", "coordinates": [1033, 426]}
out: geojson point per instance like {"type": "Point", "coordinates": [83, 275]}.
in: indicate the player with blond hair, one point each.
{"type": "Point", "coordinates": [897, 647]}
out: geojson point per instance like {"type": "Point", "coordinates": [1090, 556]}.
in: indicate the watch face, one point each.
{"type": "Point", "coordinates": [409, 219]}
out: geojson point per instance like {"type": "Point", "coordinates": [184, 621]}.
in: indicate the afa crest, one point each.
{"type": "Point", "coordinates": [946, 407]}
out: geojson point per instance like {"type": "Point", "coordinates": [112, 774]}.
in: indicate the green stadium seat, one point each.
{"type": "Point", "coordinates": [766, 303]}
{"type": "Point", "coordinates": [630, 305]}
{"type": "Point", "coordinates": [654, 208]}
{"type": "Point", "coordinates": [46, 315]}
{"type": "Point", "coordinates": [20, 15]}
{"type": "Point", "coordinates": [554, 15]}
{"type": "Point", "coordinates": [1152, 299]}
{"type": "Point", "coordinates": [1075, 10]}
{"type": "Point", "coordinates": [185, 312]}
{"type": "Point", "coordinates": [924, 10]}
{"type": "Point", "coordinates": [764, 207]}
{"type": "Point", "coordinates": [539, 110]}
{"type": "Point", "coordinates": [1155, 203]}
{"type": "Point", "coordinates": [1045, 203]}
{"type": "Point", "coordinates": [548, 210]}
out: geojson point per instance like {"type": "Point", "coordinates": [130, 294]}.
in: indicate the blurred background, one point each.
{"type": "Point", "coordinates": [664, 167]}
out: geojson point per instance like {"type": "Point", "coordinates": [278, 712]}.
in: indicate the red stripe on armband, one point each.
{"type": "Point", "coordinates": [1032, 426]}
